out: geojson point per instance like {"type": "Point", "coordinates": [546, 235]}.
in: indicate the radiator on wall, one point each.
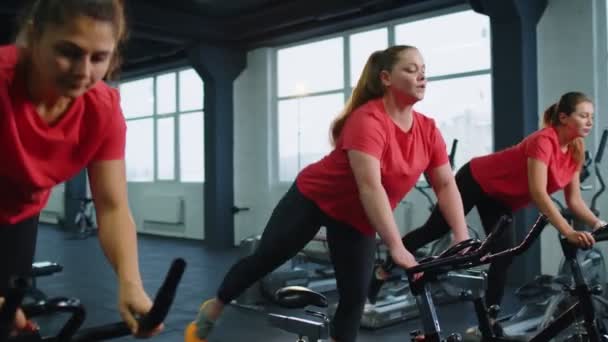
{"type": "Point", "coordinates": [161, 208]}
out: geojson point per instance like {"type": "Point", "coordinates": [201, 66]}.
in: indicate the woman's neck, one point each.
{"type": "Point", "coordinates": [48, 103]}
{"type": "Point", "coordinates": [401, 113]}
{"type": "Point", "coordinates": [564, 137]}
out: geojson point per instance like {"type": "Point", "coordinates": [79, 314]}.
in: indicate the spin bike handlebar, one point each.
{"type": "Point", "coordinates": [600, 234]}
{"type": "Point", "coordinates": [156, 315]}
{"type": "Point", "coordinates": [479, 252]}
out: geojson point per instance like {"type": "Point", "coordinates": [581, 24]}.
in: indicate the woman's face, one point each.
{"type": "Point", "coordinates": [407, 80]}
{"type": "Point", "coordinates": [579, 123]}
{"type": "Point", "coordinates": [70, 59]}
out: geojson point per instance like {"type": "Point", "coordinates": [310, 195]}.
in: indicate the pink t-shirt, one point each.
{"type": "Point", "coordinates": [504, 175]}
{"type": "Point", "coordinates": [403, 157]}
{"type": "Point", "coordinates": [35, 156]}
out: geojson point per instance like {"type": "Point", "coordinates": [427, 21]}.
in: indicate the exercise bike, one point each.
{"type": "Point", "coordinates": [298, 297]}
{"type": "Point", "coordinates": [579, 319]}
{"type": "Point", "coordinates": [479, 253]}
{"type": "Point", "coordinates": [71, 331]}
{"type": "Point", "coordinates": [84, 223]}
{"type": "Point", "coordinates": [593, 266]}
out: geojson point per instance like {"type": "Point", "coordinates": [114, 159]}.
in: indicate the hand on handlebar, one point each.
{"type": "Point", "coordinates": [403, 258]}
{"type": "Point", "coordinates": [580, 239]}
{"type": "Point", "coordinates": [133, 302]}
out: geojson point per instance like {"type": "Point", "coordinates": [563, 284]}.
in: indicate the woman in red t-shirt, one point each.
{"type": "Point", "coordinates": [382, 146]}
{"type": "Point", "coordinates": [57, 117]}
{"type": "Point", "coordinates": [501, 183]}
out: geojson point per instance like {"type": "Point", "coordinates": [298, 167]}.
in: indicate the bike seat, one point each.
{"type": "Point", "coordinates": [45, 268]}
{"type": "Point", "coordinates": [299, 297]}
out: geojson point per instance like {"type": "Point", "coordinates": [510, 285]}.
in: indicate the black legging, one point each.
{"type": "Point", "coordinates": [490, 210]}
{"type": "Point", "coordinates": [17, 248]}
{"type": "Point", "coordinates": [293, 223]}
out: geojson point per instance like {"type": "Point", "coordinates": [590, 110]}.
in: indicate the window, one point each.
{"type": "Point", "coordinates": [462, 110]}
{"type": "Point", "coordinates": [137, 98]}
{"type": "Point", "coordinates": [314, 80]}
{"type": "Point", "coordinates": [311, 68]}
{"type": "Point", "coordinates": [304, 131]}
{"type": "Point", "coordinates": [192, 165]}
{"type": "Point", "coordinates": [165, 162]}
{"type": "Point", "coordinates": [450, 44]}
{"type": "Point", "coordinates": [165, 85]}
{"type": "Point", "coordinates": [139, 154]}
{"type": "Point", "coordinates": [311, 93]}
{"type": "Point", "coordinates": [164, 111]}
{"type": "Point", "coordinates": [190, 91]}
{"type": "Point", "coordinates": [362, 45]}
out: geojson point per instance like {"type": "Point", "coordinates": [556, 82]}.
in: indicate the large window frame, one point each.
{"type": "Point", "coordinates": [175, 115]}
{"type": "Point", "coordinates": [346, 89]}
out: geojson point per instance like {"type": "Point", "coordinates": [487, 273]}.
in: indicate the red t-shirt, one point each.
{"type": "Point", "coordinates": [504, 175]}
{"type": "Point", "coordinates": [35, 156]}
{"type": "Point", "coordinates": [403, 156]}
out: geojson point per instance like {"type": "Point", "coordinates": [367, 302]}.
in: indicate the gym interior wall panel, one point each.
{"type": "Point", "coordinates": [163, 208]}
{"type": "Point", "coordinates": [572, 55]}
{"type": "Point", "coordinates": [168, 209]}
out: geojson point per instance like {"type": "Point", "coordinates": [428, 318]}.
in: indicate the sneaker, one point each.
{"type": "Point", "coordinates": [198, 330]}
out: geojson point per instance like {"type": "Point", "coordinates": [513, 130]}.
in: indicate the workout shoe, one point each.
{"type": "Point", "coordinates": [376, 284]}
{"type": "Point", "coordinates": [199, 329]}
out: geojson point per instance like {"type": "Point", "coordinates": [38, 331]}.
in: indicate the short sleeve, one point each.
{"type": "Point", "coordinates": [539, 147]}
{"type": "Point", "coordinates": [365, 132]}
{"type": "Point", "coordinates": [114, 140]}
{"type": "Point", "coordinates": [439, 154]}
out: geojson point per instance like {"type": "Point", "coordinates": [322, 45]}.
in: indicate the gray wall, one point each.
{"type": "Point", "coordinates": [572, 56]}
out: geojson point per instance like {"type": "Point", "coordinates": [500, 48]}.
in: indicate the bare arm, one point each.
{"type": "Point", "coordinates": [117, 233]}
{"type": "Point", "coordinates": [449, 200]}
{"type": "Point", "coordinates": [366, 170]}
{"type": "Point", "coordinates": [537, 185]}
{"type": "Point", "coordinates": [118, 240]}
{"type": "Point", "coordinates": [577, 205]}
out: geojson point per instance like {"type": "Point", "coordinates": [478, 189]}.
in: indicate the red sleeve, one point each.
{"type": "Point", "coordinates": [113, 145]}
{"type": "Point", "coordinates": [539, 147]}
{"type": "Point", "coordinates": [439, 153]}
{"type": "Point", "coordinates": [364, 132]}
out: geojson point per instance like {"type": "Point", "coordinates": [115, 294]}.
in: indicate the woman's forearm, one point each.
{"type": "Point", "coordinates": [583, 213]}
{"type": "Point", "coordinates": [377, 207]}
{"type": "Point", "coordinates": [545, 205]}
{"type": "Point", "coordinates": [451, 207]}
{"type": "Point", "coordinates": [118, 239]}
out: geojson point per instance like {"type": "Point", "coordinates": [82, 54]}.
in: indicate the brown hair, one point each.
{"type": "Point", "coordinates": [44, 13]}
{"type": "Point", "coordinates": [369, 85]}
{"type": "Point", "coordinates": [567, 105]}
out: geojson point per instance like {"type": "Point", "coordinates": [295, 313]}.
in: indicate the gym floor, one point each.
{"type": "Point", "coordinates": [87, 276]}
